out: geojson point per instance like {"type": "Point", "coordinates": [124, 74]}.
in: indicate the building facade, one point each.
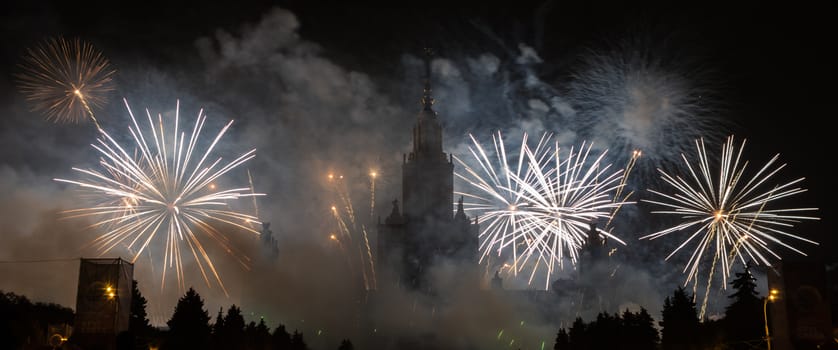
{"type": "Point", "coordinates": [103, 302]}
{"type": "Point", "coordinates": [423, 229]}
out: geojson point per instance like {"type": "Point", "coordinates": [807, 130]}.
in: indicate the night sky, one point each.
{"type": "Point", "coordinates": [320, 86]}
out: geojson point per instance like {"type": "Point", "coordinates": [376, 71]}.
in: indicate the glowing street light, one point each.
{"type": "Point", "coordinates": [773, 295]}
{"type": "Point", "coordinates": [110, 292]}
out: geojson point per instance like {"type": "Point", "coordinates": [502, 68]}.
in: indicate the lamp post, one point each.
{"type": "Point", "coordinates": [772, 295]}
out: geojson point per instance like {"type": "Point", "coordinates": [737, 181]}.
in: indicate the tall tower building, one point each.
{"type": "Point", "coordinates": [593, 252]}
{"type": "Point", "coordinates": [425, 230]}
{"type": "Point", "coordinates": [103, 302]}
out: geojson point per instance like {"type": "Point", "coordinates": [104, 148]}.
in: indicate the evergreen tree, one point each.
{"type": "Point", "coordinates": [281, 339]}
{"type": "Point", "coordinates": [637, 330]}
{"type": "Point", "coordinates": [629, 330]}
{"type": "Point", "coordinates": [712, 333]}
{"type": "Point", "coordinates": [138, 321]}
{"type": "Point", "coordinates": [578, 334]}
{"type": "Point", "coordinates": [260, 338]}
{"type": "Point", "coordinates": [232, 333]}
{"type": "Point", "coordinates": [744, 323]}
{"type": "Point", "coordinates": [602, 333]}
{"type": "Point", "coordinates": [218, 329]}
{"type": "Point", "coordinates": [189, 327]}
{"type": "Point", "coordinates": [297, 342]}
{"type": "Point", "coordinates": [250, 335]}
{"type": "Point", "coordinates": [139, 328]}
{"type": "Point", "coordinates": [679, 322]}
{"type": "Point", "coordinates": [562, 340]}
{"type": "Point", "coordinates": [346, 345]}
{"type": "Point", "coordinates": [649, 336]}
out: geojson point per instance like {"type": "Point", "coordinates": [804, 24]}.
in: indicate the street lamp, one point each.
{"type": "Point", "coordinates": [110, 292]}
{"type": "Point", "coordinates": [773, 294]}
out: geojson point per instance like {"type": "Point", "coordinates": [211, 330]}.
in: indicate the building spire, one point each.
{"type": "Point", "coordinates": [461, 214]}
{"type": "Point", "coordinates": [427, 99]}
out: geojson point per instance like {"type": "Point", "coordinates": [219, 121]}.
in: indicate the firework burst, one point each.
{"type": "Point", "coordinates": [165, 189]}
{"type": "Point", "coordinates": [633, 96]}
{"type": "Point", "coordinates": [727, 215]}
{"type": "Point", "coordinates": [542, 205]}
{"type": "Point", "coordinates": [66, 79]}
{"type": "Point", "coordinates": [494, 195]}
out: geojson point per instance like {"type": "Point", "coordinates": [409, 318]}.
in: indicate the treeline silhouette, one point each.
{"type": "Point", "coordinates": [679, 328]}
{"type": "Point", "coordinates": [190, 328]}
{"type": "Point", "coordinates": [24, 324]}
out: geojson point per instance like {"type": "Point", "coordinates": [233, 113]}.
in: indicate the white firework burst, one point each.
{"type": "Point", "coordinates": [727, 215]}
{"type": "Point", "coordinates": [542, 206]}
{"type": "Point", "coordinates": [165, 188]}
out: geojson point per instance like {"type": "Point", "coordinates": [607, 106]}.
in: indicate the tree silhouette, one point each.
{"type": "Point", "coordinates": [562, 340]}
{"type": "Point", "coordinates": [21, 321]}
{"type": "Point", "coordinates": [649, 336]}
{"type": "Point", "coordinates": [633, 331]}
{"type": "Point", "coordinates": [638, 330]}
{"type": "Point", "coordinates": [139, 328]}
{"type": "Point", "coordinates": [743, 321]}
{"type": "Point", "coordinates": [138, 321]}
{"type": "Point", "coordinates": [250, 334]}
{"type": "Point", "coordinates": [189, 327]}
{"type": "Point", "coordinates": [260, 337]}
{"type": "Point", "coordinates": [346, 345]}
{"type": "Point", "coordinates": [231, 332]}
{"type": "Point", "coordinates": [679, 322]}
{"type": "Point", "coordinates": [603, 332]}
{"type": "Point", "coordinates": [281, 339]}
{"type": "Point", "coordinates": [297, 342]}
{"type": "Point", "coordinates": [218, 329]}
{"type": "Point", "coordinates": [578, 335]}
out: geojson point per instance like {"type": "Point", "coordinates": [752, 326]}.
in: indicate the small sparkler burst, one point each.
{"type": "Point", "coordinates": [727, 215]}
{"type": "Point", "coordinates": [65, 79]}
{"type": "Point", "coordinates": [164, 188]}
{"type": "Point", "coordinates": [542, 204]}
{"type": "Point", "coordinates": [353, 232]}
{"type": "Point", "coordinates": [632, 97]}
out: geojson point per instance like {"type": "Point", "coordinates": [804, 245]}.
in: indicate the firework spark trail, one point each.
{"type": "Point", "coordinates": [618, 194]}
{"type": "Point", "coordinates": [729, 214]}
{"type": "Point", "coordinates": [343, 194]}
{"type": "Point", "coordinates": [342, 227]}
{"type": "Point", "coordinates": [65, 79]}
{"type": "Point", "coordinates": [337, 239]}
{"type": "Point", "coordinates": [253, 194]}
{"type": "Point", "coordinates": [87, 108]}
{"type": "Point", "coordinates": [346, 233]}
{"type": "Point", "coordinates": [175, 195]}
{"type": "Point", "coordinates": [545, 203]}
{"type": "Point", "coordinates": [373, 175]}
{"type": "Point", "coordinates": [366, 259]}
{"type": "Point", "coordinates": [351, 229]}
{"type": "Point", "coordinates": [370, 259]}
